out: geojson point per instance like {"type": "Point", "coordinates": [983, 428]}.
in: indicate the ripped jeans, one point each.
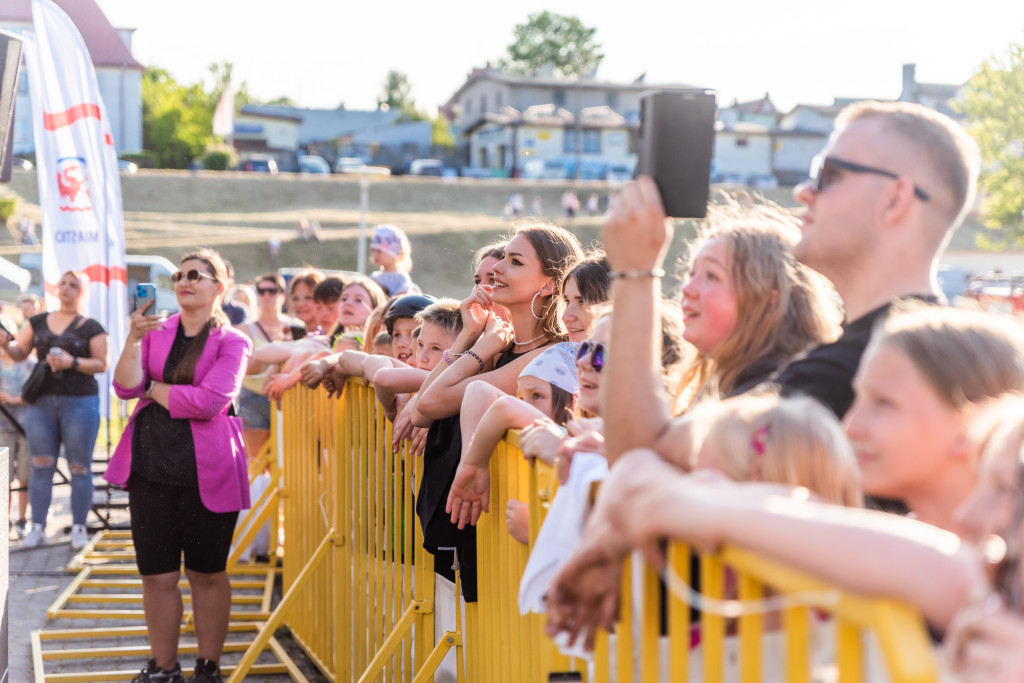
{"type": "Point", "coordinates": [50, 422]}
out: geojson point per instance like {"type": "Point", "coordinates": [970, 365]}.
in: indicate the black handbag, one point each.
{"type": "Point", "coordinates": [33, 386]}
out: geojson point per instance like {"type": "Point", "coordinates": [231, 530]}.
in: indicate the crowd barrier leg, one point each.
{"type": "Point", "coordinates": [277, 617]}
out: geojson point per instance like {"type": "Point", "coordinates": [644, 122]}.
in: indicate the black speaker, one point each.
{"type": "Point", "coordinates": [10, 62]}
{"type": "Point", "coordinates": [676, 143]}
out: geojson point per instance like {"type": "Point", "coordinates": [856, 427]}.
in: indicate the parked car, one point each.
{"type": "Point", "coordinates": [432, 167]}
{"type": "Point", "coordinates": [21, 164]}
{"type": "Point", "coordinates": [348, 165]}
{"type": "Point", "coordinates": [545, 169]}
{"type": "Point", "coordinates": [618, 173]}
{"type": "Point", "coordinates": [260, 164]}
{"type": "Point", "coordinates": [311, 164]}
{"type": "Point", "coordinates": [125, 166]}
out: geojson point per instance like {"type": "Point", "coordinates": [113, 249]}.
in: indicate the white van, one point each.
{"type": "Point", "coordinates": [141, 268]}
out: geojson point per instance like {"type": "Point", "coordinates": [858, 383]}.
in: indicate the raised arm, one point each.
{"type": "Point", "coordinates": [19, 347]}
{"type": "Point", "coordinates": [636, 236]}
{"type": "Point", "coordinates": [646, 499]}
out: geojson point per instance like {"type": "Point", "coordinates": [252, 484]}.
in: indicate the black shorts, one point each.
{"type": "Point", "coordinates": [170, 520]}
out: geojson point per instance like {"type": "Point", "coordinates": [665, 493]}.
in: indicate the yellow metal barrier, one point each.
{"type": "Point", "coordinates": [359, 587]}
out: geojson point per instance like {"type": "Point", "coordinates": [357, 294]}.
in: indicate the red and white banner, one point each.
{"type": "Point", "coordinates": [224, 114]}
{"type": "Point", "coordinates": [79, 184]}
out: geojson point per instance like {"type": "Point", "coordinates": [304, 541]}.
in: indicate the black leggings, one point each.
{"type": "Point", "coordinates": [170, 520]}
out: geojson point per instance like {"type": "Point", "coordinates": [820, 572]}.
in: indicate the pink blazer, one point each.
{"type": "Point", "coordinates": [220, 451]}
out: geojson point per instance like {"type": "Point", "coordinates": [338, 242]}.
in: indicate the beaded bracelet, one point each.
{"type": "Point", "coordinates": [447, 358]}
{"type": "Point", "coordinates": [636, 274]}
{"type": "Point", "coordinates": [477, 358]}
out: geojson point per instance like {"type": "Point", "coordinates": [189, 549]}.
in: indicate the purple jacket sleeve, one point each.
{"type": "Point", "coordinates": [220, 383]}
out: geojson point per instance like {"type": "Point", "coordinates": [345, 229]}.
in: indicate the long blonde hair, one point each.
{"type": "Point", "coordinates": [784, 308]}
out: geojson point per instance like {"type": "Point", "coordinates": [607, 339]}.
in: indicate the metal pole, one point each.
{"type": "Point", "coordinates": [364, 203]}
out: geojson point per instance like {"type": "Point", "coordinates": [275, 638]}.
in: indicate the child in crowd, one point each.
{"type": "Point", "coordinates": [391, 253]}
{"type": "Point", "coordinates": [921, 381]}
{"type": "Point", "coordinates": [335, 369]}
{"type": "Point", "coordinates": [357, 300]}
{"type": "Point", "coordinates": [375, 325]}
{"type": "Point", "coordinates": [300, 301]}
{"type": "Point", "coordinates": [547, 389]}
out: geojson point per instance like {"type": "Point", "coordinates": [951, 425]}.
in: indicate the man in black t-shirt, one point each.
{"type": "Point", "coordinates": [883, 199]}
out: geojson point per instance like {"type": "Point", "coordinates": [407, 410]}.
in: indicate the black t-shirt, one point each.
{"type": "Point", "coordinates": [163, 450]}
{"type": "Point", "coordinates": [827, 372]}
{"type": "Point", "coordinates": [75, 341]}
{"type": "Point", "coordinates": [441, 455]}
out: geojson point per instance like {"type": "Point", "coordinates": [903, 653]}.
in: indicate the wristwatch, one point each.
{"type": "Point", "coordinates": [149, 389]}
{"type": "Point", "coordinates": [74, 363]}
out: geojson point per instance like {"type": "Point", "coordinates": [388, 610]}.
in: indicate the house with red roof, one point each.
{"type": "Point", "coordinates": [119, 74]}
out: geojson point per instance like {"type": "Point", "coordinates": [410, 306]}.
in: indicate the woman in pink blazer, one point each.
{"type": "Point", "coordinates": [182, 460]}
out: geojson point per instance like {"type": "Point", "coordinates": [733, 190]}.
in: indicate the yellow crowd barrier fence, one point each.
{"type": "Point", "coordinates": [359, 586]}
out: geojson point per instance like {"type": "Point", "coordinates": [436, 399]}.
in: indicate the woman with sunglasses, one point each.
{"type": "Point", "coordinates": [182, 460]}
{"type": "Point", "coordinates": [67, 412]}
{"type": "Point", "coordinates": [270, 325]}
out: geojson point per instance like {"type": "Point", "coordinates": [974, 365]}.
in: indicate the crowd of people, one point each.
{"type": "Point", "coordinates": [808, 396]}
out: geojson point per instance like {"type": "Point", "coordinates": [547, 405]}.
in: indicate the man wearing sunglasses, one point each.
{"type": "Point", "coordinates": [883, 199]}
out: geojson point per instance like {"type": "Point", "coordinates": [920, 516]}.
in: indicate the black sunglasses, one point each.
{"type": "Point", "coordinates": [596, 351]}
{"type": "Point", "coordinates": [192, 276]}
{"type": "Point", "coordinates": [826, 171]}
{"type": "Point", "coordinates": [268, 290]}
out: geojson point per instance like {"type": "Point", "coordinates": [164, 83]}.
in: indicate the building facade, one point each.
{"type": "Point", "coordinates": [118, 73]}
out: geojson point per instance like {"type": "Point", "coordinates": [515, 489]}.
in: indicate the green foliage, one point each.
{"type": "Point", "coordinates": [441, 135]}
{"type": "Point", "coordinates": [217, 160]}
{"type": "Point", "coordinates": [397, 94]}
{"type": "Point", "coordinates": [556, 39]}
{"type": "Point", "coordinates": [8, 207]}
{"type": "Point", "coordinates": [994, 105]}
{"type": "Point", "coordinates": [177, 120]}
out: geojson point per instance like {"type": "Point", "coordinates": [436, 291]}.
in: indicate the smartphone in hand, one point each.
{"type": "Point", "coordinates": [144, 293]}
{"type": "Point", "coordinates": [676, 143]}
{"type": "Point", "coordinates": [5, 330]}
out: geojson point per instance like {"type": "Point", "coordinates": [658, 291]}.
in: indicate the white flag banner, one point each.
{"type": "Point", "coordinates": [79, 184]}
{"type": "Point", "coordinates": [224, 114]}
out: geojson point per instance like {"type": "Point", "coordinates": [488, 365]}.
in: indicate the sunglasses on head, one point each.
{"type": "Point", "coordinates": [596, 352]}
{"type": "Point", "coordinates": [192, 276]}
{"type": "Point", "coordinates": [268, 290]}
{"type": "Point", "coordinates": [827, 171]}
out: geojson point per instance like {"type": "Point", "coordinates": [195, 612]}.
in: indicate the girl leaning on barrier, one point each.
{"type": "Point", "coordinates": [182, 459]}
{"type": "Point", "coordinates": [941, 366]}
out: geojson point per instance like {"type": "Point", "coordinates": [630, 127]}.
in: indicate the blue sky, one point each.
{"type": "Point", "coordinates": [323, 52]}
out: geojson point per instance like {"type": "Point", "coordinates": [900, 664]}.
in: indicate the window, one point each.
{"type": "Point", "coordinates": [613, 100]}
{"type": "Point", "coordinates": [483, 103]}
{"type": "Point", "coordinates": [591, 141]}
{"type": "Point", "coordinates": [742, 142]}
{"type": "Point", "coordinates": [559, 97]}
{"type": "Point", "coordinates": [497, 101]}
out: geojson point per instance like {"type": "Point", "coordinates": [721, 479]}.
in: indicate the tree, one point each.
{"type": "Point", "coordinates": [994, 105]}
{"type": "Point", "coordinates": [177, 120]}
{"type": "Point", "coordinates": [555, 39]}
{"type": "Point", "coordinates": [397, 94]}
{"type": "Point", "coordinates": [441, 133]}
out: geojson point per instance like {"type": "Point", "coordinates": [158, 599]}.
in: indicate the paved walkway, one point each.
{"type": "Point", "coordinates": [37, 578]}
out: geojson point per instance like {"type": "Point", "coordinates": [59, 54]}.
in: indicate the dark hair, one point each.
{"type": "Point", "coordinates": [495, 249]}
{"type": "Point", "coordinates": [593, 278]}
{"type": "Point", "coordinates": [328, 290]}
{"type": "Point", "coordinates": [272, 277]}
{"type": "Point", "coordinates": [558, 251]}
{"type": "Point", "coordinates": [561, 404]}
{"type": "Point", "coordinates": [185, 371]}
{"type": "Point", "coordinates": [311, 278]}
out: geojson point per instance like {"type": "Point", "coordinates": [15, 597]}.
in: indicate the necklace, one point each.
{"type": "Point", "coordinates": [528, 341]}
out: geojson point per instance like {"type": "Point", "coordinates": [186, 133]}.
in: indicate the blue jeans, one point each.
{"type": "Point", "coordinates": [74, 422]}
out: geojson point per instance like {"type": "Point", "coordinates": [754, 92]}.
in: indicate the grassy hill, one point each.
{"type": "Point", "coordinates": [170, 212]}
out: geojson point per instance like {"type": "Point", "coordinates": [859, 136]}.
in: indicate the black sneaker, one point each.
{"type": "Point", "coordinates": [206, 672]}
{"type": "Point", "coordinates": [154, 674]}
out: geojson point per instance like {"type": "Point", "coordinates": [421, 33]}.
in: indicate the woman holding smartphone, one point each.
{"type": "Point", "coordinates": [182, 460]}
{"type": "Point", "coordinates": [67, 412]}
